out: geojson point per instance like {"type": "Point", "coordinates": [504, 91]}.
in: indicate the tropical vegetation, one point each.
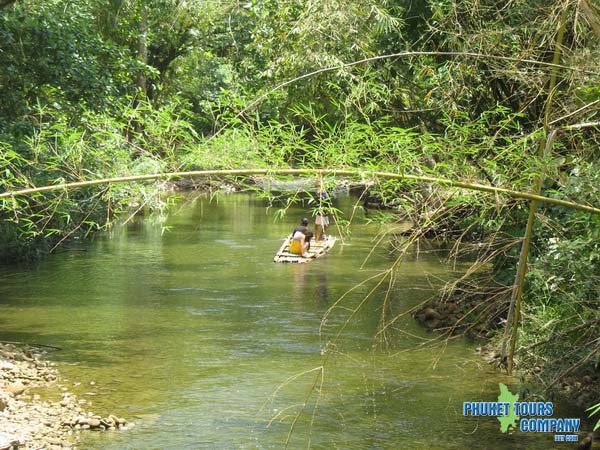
{"type": "Point", "coordinates": [499, 93]}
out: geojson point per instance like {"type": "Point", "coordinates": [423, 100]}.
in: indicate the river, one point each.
{"type": "Point", "coordinates": [183, 324]}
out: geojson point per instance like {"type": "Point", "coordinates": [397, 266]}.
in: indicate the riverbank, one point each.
{"type": "Point", "coordinates": [457, 316]}
{"type": "Point", "coordinates": [36, 409]}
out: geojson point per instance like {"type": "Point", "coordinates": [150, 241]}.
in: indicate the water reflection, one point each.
{"type": "Point", "coordinates": [322, 291]}
{"type": "Point", "coordinates": [311, 283]}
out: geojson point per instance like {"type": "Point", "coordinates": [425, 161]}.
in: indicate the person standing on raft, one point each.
{"type": "Point", "coordinates": [322, 217]}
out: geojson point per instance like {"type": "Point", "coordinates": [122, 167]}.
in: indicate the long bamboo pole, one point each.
{"type": "Point", "coordinates": [512, 322]}
{"type": "Point", "coordinates": [355, 173]}
{"type": "Point", "coordinates": [514, 311]}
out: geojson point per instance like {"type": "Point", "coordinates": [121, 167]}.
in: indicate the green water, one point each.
{"type": "Point", "coordinates": [185, 326]}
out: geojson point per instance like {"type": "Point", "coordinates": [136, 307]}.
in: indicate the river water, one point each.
{"type": "Point", "coordinates": [184, 325]}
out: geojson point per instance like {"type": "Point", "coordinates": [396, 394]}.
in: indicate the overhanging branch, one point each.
{"type": "Point", "coordinates": [355, 173]}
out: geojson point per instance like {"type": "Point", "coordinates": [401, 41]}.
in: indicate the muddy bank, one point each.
{"type": "Point", "coordinates": [36, 409]}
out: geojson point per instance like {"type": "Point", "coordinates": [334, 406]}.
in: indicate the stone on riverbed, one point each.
{"type": "Point", "coordinates": [15, 388]}
{"type": "Point", "coordinates": [28, 422]}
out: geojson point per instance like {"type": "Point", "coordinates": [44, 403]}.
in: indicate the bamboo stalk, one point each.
{"type": "Point", "coordinates": [580, 126]}
{"type": "Point", "coordinates": [514, 309]}
{"type": "Point", "coordinates": [514, 312]}
{"type": "Point", "coordinates": [361, 174]}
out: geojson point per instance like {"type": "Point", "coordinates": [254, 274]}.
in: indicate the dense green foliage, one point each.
{"type": "Point", "coordinates": [92, 89]}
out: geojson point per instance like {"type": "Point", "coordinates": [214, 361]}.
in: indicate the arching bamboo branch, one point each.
{"type": "Point", "coordinates": [260, 98]}
{"type": "Point", "coordinates": [355, 173]}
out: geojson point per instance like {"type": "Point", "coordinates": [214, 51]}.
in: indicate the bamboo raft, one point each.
{"type": "Point", "coordinates": [317, 249]}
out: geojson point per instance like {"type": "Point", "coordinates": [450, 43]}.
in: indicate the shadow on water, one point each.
{"type": "Point", "coordinates": [198, 337]}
